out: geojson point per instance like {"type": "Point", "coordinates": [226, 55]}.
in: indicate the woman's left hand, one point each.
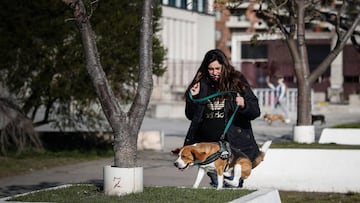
{"type": "Point", "coordinates": [240, 101]}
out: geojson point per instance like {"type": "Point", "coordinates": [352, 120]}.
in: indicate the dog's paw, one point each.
{"type": "Point", "coordinates": [233, 182]}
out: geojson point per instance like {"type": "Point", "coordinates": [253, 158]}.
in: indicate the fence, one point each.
{"type": "Point", "coordinates": [267, 99]}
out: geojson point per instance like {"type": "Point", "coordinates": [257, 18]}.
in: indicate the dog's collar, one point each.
{"type": "Point", "coordinates": [223, 153]}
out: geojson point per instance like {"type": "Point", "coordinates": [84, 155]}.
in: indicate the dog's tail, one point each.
{"type": "Point", "coordinates": [266, 146]}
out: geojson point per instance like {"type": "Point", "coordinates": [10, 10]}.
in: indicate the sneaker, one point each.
{"type": "Point", "coordinates": [213, 178]}
{"type": "Point", "coordinates": [287, 121]}
{"type": "Point", "coordinates": [241, 182]}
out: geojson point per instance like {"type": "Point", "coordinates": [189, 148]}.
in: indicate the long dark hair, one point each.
{"type": "Point", "coordinates": [230, 79]}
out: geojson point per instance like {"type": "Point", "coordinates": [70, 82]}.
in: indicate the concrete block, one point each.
{"type": "Point", "coordinates": [150, 140]}
{"type": "Point", "coordinates": [308, 170]}
{"type": "Point", "coordinates": [354, 100]}
{"type": "Point", "coordinates": [345, 136]}
{"type": "Point", "coordinates": [260, 196]}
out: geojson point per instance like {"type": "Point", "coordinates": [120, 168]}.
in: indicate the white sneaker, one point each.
{"type": "Point", "coordinates": [287, 121]}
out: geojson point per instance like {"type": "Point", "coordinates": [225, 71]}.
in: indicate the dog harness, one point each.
{"type": "Point", "coordinates": [224, 151]}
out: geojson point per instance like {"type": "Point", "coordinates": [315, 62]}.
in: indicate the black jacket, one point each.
{"type": "Point", "coordinates": [240, 134]}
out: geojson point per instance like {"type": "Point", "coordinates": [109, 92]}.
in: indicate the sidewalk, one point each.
{"type": "Point", "coordinates": [158, 165]}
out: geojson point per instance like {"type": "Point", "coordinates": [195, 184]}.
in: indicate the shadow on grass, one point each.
{"type": "Point", "coordinates": [21, 189]}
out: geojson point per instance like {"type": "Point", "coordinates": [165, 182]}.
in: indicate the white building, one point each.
{"type": "Point", "coordinates": [188, 32]}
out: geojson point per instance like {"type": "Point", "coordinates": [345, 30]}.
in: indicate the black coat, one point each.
{"type": "Point", "coordinates": [240, 134]}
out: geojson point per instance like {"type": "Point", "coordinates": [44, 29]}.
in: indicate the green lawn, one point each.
{"type": "Point", "coordinates": [15, 164]}
{"type": "Point", "coordinates": [19, 164]}
{"type": "Point", "coordinates": [91, 193]}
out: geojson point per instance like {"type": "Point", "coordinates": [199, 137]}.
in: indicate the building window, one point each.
{"type": "Point", "coordinates": [183, 4]}
{"type": "Point", "coordinates": [201, 6]}
{"type": "Point", "coordinates": [205, 6]}
{"type": "Point", "coordinates": [317, 53]}
{"type": "Point", "coordinates": [351, 79]}
{"type": "Point", "coordinates": [249, 51]}
{"type": "Point", "coordinates": [172, 3]}
{"type": "Point", "coordinates": [178, 3]}
{"type": "Point", "coordinates": [195, 5]}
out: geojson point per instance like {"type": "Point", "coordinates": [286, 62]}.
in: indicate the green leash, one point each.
{"type": "Point", "coordinates": [216, 95]}
{"type": "Point", "coordinates": [224, 152]}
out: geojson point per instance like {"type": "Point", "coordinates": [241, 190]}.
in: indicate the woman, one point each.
{"type": "Point", "coordinates": [209, 118]}
{"type": "Point", "coordinates": [280, 94]}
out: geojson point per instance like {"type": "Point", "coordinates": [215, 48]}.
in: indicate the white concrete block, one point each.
{"type": "Point", "coordinates": [122, 181]}
{"type": "Point", "coordinates": [304, 134]}
{"type": "Point", "coordinates": [354, 100]}
{"type": "Point", "coordinates": [150, 140]}
{"type": "Point", "coordinates": [346, 136]}
{"type": "Point", "coordinates": [260, 196]}
{"type": "Point", "coordinates": [309, 170]}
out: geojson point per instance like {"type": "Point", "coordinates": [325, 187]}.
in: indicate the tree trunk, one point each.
{"type": "Point", "coordinates": [125, 126]}
{"type": "Point", "coordinates": [304, 105]}
{"type": "Point", "coordinates": [304, 87]}
{"type": "Point", "coordinates": [126, 141]}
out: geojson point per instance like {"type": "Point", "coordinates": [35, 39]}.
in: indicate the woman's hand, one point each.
{"type": "Point", "coordinates": [195, 89]}
{"type": "Point", "coordinates": [240, 101]}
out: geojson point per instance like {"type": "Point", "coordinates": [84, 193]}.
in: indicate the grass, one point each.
{"type": "Point", "coordinates": [91, 193]}
{"type": "Point", "coordinates": [317, 197]}
{"type": "Point", "coordinates": [13, 164]}
{"type": "Point", "coordinates": [348, 125]}
{"type": "Point", "coordinates": [294, 145]}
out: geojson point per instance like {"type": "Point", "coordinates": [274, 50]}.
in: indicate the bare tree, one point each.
{"type": "Point", "coordinates": [290, 17]}
{"type": "Point", "coordinates": [297, 45]}
{"type": "Point", "coordinates": [125, 125]}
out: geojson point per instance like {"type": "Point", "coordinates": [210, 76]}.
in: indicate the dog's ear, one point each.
{"type": "Point", "coordinates": [198, 155]}
{"type": "Point", "coordinates": [176, 151]}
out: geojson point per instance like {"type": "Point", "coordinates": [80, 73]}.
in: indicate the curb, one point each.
{"type": "Point", "coordinates": [260, 196]}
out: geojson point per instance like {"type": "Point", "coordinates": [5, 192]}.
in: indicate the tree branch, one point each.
{"type": "Point", "coordinates": [143, 93]}
{"type": "Point", "coordinates": [340, 44]}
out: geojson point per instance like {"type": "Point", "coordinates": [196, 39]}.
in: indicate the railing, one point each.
{"type": "Point", "coordinates": [267, 99]}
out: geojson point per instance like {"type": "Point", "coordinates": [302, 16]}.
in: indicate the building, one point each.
{"type": "Point", "coordinates": [235, 28]}
{"type": "Point", "coordinates": [190, 27]}
{"type": "Point", "coordinates": [188, 32]}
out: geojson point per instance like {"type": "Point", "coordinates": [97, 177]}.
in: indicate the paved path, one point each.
{"type": "Point", "coordinates": [158, 166]}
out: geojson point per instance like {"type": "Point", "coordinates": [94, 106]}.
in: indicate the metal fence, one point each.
{"type": "Point", "coordinates": [267, 99]}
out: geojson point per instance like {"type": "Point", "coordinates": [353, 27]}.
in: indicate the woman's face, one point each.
{"type": "Point", "coordinates": [214, 70]}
